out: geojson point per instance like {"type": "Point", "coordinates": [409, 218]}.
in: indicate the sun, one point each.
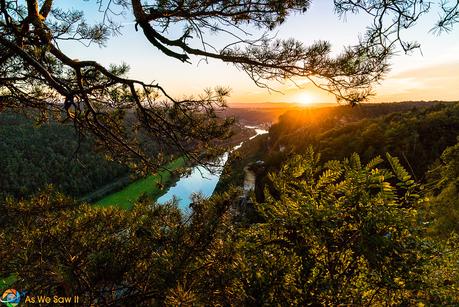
{"type": "Point", "coordinates": [305, 99]}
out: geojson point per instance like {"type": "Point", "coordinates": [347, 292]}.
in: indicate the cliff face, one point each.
{"type": "Point", "coordinates": [249, 180]}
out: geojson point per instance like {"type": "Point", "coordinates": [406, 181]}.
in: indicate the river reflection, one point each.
{"type": "Point", "coordinates": [200, 180]}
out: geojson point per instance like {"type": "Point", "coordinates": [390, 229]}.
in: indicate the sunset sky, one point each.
{"type": "Point", "coordinates": [427, 74]}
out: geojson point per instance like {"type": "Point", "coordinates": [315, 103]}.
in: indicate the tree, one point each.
{"type": "Point", "coordinates": [443, 183]}
{"type": "Point", "coordinates": [36, 74]}
{"type": "Point", "coordinates": [111, 256]}
{"type": "Point", "coordinates": [339, 233]}
{"type": "Point", "coordinates": [343, 232]}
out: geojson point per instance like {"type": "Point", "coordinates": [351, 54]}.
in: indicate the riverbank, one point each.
{"type": "Point", "coordinates": [107, 189]}
{"type": "Point", "coordinates": [151, 186]}
{"type": "Point", "coordinates": [199, 180]}
{"type": "Point", "coordinates": [202, 180]}
{"type": "Point", "coordinates": [249, 152]}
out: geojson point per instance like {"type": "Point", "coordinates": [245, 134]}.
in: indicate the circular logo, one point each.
{"type": "Point", "coordinates": [11, 298]}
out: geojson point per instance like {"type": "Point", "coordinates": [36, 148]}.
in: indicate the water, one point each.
{"type": "Point", "coordinates": [200, 180]}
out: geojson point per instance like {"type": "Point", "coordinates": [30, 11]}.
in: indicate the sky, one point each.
{"type": "Point", "coordinates": [427, 74]}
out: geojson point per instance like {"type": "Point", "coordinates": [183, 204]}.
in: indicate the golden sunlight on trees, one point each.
{"type": "Point", "coordinates": [372, 228]}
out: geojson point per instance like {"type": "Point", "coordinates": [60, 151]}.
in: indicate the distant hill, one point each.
{"type": "Point", "coordinates": [416, 132]}
{"type": "Point", "coordinates": [261, 113]}
{"type": "Point", "coordinates": [275, 105]}
{"type": "Point", "coordinates": [269, 112]}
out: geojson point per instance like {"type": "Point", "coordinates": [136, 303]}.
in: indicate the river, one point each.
{"type": "Point", "coordinates": [200, 180]}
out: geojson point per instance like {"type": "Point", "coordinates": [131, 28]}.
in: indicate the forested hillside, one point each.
{"type": "Point", "coordinates": [33, 157]}
{"type": "Point", "coordinates": [424, 137]}
{"type": "Point", "coordinates": [416, 132]}
{"type": "Point", "coordinates": [418, 137]}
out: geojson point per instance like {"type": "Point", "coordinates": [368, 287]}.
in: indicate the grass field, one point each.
{"type": "Point", "coordinates": [126, 197]}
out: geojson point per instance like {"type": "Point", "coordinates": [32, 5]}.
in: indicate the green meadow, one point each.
{"type": "Point", "coordinates": [149, 185]}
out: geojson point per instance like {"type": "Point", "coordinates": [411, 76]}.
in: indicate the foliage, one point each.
{"type": "Point", "coordinates": [108, 255]}
{"type": "Point", "coordinates": [443, 182]}
{"type": "Point", "coordinates": [416, 132]}
{"type": "Point", "coordinates": [35, 156]}
{"type": "Point", "coordinates": [342, 233]}
{"type": "Point", "coordinates": [418, 136]}
{"type": "Point", "coordinates": [6, 282]}
{"type": "Point", "coordinates": [35, 74]}
{"type": "Point", "coordinates": [339, 233]}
